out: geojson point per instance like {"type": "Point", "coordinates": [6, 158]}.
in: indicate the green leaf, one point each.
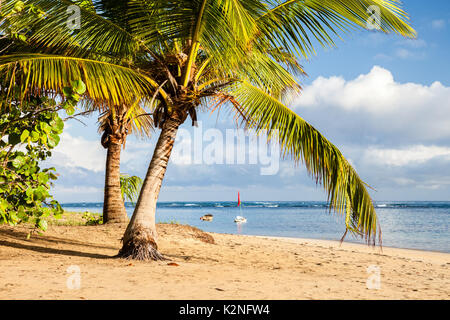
{"type": "Point", "coordinates": [75, 97]}
{"type": "Point", "coordinates": [43, 139]}
{"type": "Point", "coordinates": [26, 196]}
{"type": "Point", "coordinates": [70, 110]}
{"type": "Point", "coordinates": [13, 217]}
{"type": "Point", "coordinates": [18, 162]}
{"type": "Point", "coordinates": [43, 178]}
{"type": "Point", "coordinates": [79, 86]}
{"type": "Point", "coordinates": [46, 212]}
{"type": "Point", "coordinates": [21, 213]}
{"type": "Point", "coordinates": [3, 205]}
{"type": "Point", "coordinates": [35, 136]}
{"type": "Point", "coordinates": [25, 134]}
{"type": "Point", "coordinates": [42, 224]}
{"type": "Point", "coordinates": [58, 125]}
{"type": "Point", "coordinates": [52, 176]}
{"type": "Point", "coordinates": [45, 127]}
{"type": "Point", "coordinates": [29, 192]}
{"type": "Point", "coordinates": [19, 6]}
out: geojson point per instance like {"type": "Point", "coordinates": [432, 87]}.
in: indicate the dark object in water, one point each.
{"type": "Point", "coordinates": [207, 217]}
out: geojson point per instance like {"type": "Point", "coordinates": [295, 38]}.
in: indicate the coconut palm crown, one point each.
{"type": "Point", "coordinates": [184, 56]}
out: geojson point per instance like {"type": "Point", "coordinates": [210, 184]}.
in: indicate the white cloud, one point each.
{"type": "Point", "coordinates": [77, 193]}
{"type": "Point", "coordinates": [395, 133]}
{"type": "Point", "coordinates": [412, 49]}
{"type": "Point", "coordinates": [375, 104]}
{"type": "Point", "coordinates": [438, 24]}
{"type": "Point", "coordinates": [382, 56]}
{"type": "Point", "coordinates": [408, 54]}
{"type": "Point", "coordinates": [413, 43]}
{"type": "Point", "coordinates": [376, 92]}
{"type": "Point", "coordinates": [79, 152]}
{"type": "Point", "coordinates": [77, 189]}
{"type": "Point", "coordinates": [137, 155]}
{"type": "Point", "coordinates": [403, 53]}
{"type": "Point", "coordinates": [406, 156]}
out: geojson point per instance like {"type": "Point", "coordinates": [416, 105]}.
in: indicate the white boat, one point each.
{"type": "Point", "coordinates": [240, 219]}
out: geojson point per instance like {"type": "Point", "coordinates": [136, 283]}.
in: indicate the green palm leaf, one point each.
{"type": "Point", "coordinates": [294, 24]}
{"type": "Point", "coordinates": [302, 142]}
{"type": "Point", "coordinates": [130, 186]}
{"type": "Point", "coordinates": [135, 118]}
{"type": "Point", "coordinates": [106, 83]}
{"type": "Point", "coordinates": [51, 31]}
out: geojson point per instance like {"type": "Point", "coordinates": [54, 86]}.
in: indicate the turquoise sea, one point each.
{"type": "Point", "coordinates": [415, 225]}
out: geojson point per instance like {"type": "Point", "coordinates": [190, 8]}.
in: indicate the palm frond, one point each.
{"type": "Point", "coordinates": [130, 186]}
{"type": "Point", "coordinates": [295, 24]}
{"type": "Point", "coordinates": [51, 32]}
{"type": "Point", "coordinates": [106, 83]}
{"type": "Point", "coordinates": [185, 22]}
{"type": "Point", "coordinates": [132, 119]}
{"type": "Point", "coordinates": [86, 4]}
{"type": "Point", "coordinates": [240, 14]}
{"type": "Point", "coordinates": [302, 142]}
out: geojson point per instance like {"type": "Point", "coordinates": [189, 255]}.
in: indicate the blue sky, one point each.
{"type": "Point", "coordinates": [384, 101]}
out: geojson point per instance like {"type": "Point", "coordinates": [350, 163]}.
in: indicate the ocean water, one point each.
{"type": "Point", "coordinates": [413, 225]}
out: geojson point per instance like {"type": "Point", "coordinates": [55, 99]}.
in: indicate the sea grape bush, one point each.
{"type": "Point", "coordinates": [28, 135]}
{"type": "Point", "coordinates": [30, 128]}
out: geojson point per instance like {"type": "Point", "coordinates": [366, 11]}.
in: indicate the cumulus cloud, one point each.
{"type": "Point", "coordinates": [78, 152]}
{"type": "Point", "coordinates": [438, 24]}
{"type": "Point", "coordinates": [413, 43]}
{"type": "Point", "coordinates": [77, 193]}
{"type": "Point", "coordinates": [412, 111]}
{"type": "Point", "coordinates": [397, 134]}
{"type": "Point", "coordinates": [406, 156]}
{"type": "Point", "coordinates": [409, 54]}
{"type": "Point", "coordinates": [375, 92]}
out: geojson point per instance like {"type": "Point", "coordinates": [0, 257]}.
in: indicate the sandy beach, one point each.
{"type": "Point", "coordinates": [233, 267]}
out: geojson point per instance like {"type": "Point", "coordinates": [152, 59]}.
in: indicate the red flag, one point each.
{"type": "Point", "coordinates": [239, 199]}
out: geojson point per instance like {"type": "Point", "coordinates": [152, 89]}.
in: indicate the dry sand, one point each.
{"type": "Point", "coordinates": [235, 267]}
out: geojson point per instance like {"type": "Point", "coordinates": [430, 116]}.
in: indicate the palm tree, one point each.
{"type": "Point", "coordinates": [115, 125]}
{"type": "Point", "coordinates": [184, 56]}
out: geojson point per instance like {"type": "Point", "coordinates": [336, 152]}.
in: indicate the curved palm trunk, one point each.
{"type": "Point", "coordinates": [113, 205]}
{"type": "Point", "coordinates": [140, 238]}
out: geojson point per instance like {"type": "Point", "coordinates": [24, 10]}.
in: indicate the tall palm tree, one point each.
{"type": "Point", "coordinates": [116, 124]}
{"type": "Point", "coordinates": [183, 56]}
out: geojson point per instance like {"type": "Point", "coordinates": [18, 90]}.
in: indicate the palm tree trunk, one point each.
{"type": "Point", "coordinates": [113, 205]}
{"type": "Point", "coordinates": [140, 238]}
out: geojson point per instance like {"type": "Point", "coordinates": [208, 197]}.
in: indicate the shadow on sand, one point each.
{"type": "Point", "coordinates": [17, 239]}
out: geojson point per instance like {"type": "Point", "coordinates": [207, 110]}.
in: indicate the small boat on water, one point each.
{"type": "Point", "coordinates": [239, 219]}
{"type": "Point", "coordinates": [207, 217]}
